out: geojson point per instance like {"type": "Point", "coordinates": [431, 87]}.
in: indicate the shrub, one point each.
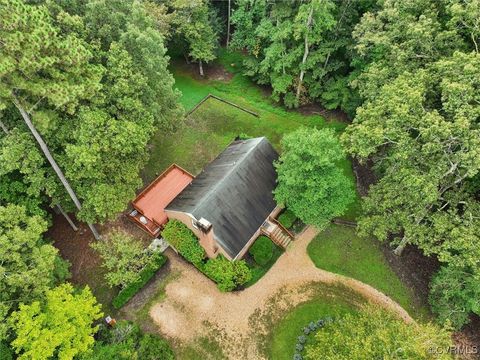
{"type": "Point", "coordinates": [287, 219]}
{"type": "Point", "coordinates": [145, 275]}
{"type": "Point", "coordinates": [184, 240]}
{"type": "Point", "coordinates": [126, 341]}
{"type": "Point", "coordinates": [262, 250]}
{"type": "Point", "coordinates": [154, 348]}
{"type": "Point", "coordinates": [227, 274]}
{"type": "Point", "coordinates": [123, 256]}
{"type": "Point", "coordinates": [375, 333]}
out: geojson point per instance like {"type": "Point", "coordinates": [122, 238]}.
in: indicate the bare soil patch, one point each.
{"type": "Point", "coordinates": [317, 109]}
{"type": "Point", "coordinates": [212, 71]}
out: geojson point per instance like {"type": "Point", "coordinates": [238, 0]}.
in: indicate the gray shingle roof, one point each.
{"type": "Point", "coordinates": [233, 192]}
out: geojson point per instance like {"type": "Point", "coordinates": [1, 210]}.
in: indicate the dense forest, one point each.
{"type": "Point", "coordinates": [85, 85]}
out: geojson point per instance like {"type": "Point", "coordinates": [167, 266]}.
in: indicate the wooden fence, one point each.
{"type": "Point", "coordinates": [224, 101]}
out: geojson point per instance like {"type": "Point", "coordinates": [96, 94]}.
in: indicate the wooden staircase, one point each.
{"type": "Point", "coordinates": [277, 232]}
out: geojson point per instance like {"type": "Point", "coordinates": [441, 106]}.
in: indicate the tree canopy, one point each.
{"type": "Point", "coordinates": [29, 266]}
{"type": "Point", "coordinates": [418, 78]}
{"type": "Point", "coordinates": [302, 49]}
{"type": "Point", "coordinates": [63, 326]}
{"type": "Point", "coordinates": [97, 88]}
{"type": "Point", "coordinates": [310, 182]}
{"type": "Point", "coordinates": [377, 334]}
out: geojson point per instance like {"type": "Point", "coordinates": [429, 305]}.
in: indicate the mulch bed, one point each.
{"type": "Point", "coordinates": [74, 246]}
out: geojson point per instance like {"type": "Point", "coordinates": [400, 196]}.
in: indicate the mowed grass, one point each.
{"type": "Point", "coordinates": [209, 129]}
{"type": "Point", "coordinates": [329, 301]}
{"type": "Point", "coordinates": [338, 249]}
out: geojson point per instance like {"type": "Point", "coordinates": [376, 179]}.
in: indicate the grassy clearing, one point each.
{"type": "Point", "coordinates": [329, 300]}
{"type": "Point", "coordinates": [206, 348]}
{"type": "Point", "coordinates": [338, 249]}
{"type": "Point", "coordinates": [214, 125]}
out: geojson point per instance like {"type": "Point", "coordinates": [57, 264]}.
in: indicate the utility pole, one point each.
{"type": "Point", "coordinates": [51, 160]}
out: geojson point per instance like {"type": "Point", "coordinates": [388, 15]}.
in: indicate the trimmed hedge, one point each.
{"type": "Point", "coordinates": [184, 240]}
{"type": "Point", "coordinates": [262, 250]}
{"type": "Point", "coordinates": [287, 219]}
{"type": "Point", "coordinates": [145, 275]}
{"type": "Point", "coordinates": [227, 274]}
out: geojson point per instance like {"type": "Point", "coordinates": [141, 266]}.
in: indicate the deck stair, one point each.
{"type": "Point", "coordinates": [277, 232]}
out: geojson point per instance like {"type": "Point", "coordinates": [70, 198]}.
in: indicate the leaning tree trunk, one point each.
{"type": "Point", "coordinates": [200, 67]}
{"type": "Point", "coordinates": [4, 128]}
{"type": "Point", "coordinates": [54, 164]}
{"type": "Point", "coordinates": [69, 220]}
{"type": "Point", "coordinates": [228, 22]}
{"type": "Point", "coordinates": [399, 249]}
{"type": "Point", "coordinates": [305, 54]}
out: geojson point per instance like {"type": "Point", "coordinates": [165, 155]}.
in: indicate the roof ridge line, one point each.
{"type": "Point", "coordinates": [212, 190]}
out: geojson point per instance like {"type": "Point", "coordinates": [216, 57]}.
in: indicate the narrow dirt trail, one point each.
{"type": "Point", "coordinates": [193, 305]}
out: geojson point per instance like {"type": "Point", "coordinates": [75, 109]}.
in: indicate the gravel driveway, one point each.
{"type": "Point", "coordinates": [193, 306]}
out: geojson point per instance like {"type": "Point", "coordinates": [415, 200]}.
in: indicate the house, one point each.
{"type": "Point", "coordinates": [230, 203]}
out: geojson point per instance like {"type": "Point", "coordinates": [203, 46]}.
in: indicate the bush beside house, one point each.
{"type": "Point", "coordinates": [287, 219]}
{"type": "Point", "coordinates": [184, 240]}
{"type": "Point", "coordinates": [262, 250]}
{"type": "Point", "coordinates": [227, 274]}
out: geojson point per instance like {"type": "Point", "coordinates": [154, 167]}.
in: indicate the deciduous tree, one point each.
{"type": "Point", "coordinates": [193, 21]}
{"type": "Point", "coordinates": [122, 256]}
{"type": "Point", "coordinates": [61, 327]}
{"type": "Point", "coordinates": [29, 266]}
{"type": "Point", "coordinates": [310, 182]}
{"type": "Point", "coordinates": [377, 334]}
{"type": "Point", "coordinates": [455, 295]}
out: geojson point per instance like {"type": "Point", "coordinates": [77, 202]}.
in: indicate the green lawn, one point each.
{"type": "Point", "coordinates": [208, 130]}
{"type": "Point", "coordinates": [338, 249]}
{"type": "Point", "coordinates": [330, 300]}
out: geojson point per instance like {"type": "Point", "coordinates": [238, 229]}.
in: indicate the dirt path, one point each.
{"type": "Point", "coordinates": [193, 305]}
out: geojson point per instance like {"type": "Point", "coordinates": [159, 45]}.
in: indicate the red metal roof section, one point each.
{"type": "Point", "coordinates": [151, 202]}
